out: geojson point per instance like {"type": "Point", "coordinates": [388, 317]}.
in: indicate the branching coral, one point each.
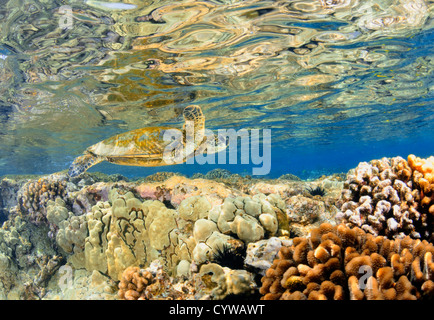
{"type": "Point", "coordinates": [338, 263]}
{"type": "Point", "coordinates": [34, 196]}
{"type": "Point", "coordinates": [133, 283]}
{"type": "Point", "coordinates": [35, 289]}
{"type": "Point", "coordinates": [152, 283]}
{"type": "Point", "coordinates": [423, 178]}
{"type": "Point", "coordinates": [386, 197]}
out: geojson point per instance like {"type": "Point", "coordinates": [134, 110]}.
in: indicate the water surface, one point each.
{"type": "Point", "coordinates": [337, 81]}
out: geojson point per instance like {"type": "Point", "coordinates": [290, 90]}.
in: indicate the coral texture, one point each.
{"type": "Point", "coordinates": [385, 197]}
{"type": "Point", "coordinates": [101, 225]}
{"type": "Point", "coordinates": [35, 289]}
{"type": "Point", "coordinates": [117, 235]}
{"type": "Point", "coordinates": [71, 230]}
{"type": "Point", "coordinates": [25, 250]}
{"type": "Point", "coordinates": [250, 219]}
{"type": "Point", "coordinates": [127, 232]}
{"type": "Point", "coordinates": [79, 284]}
{"type": "Point", "coordinates": [212, 282]}
{"type": "Point", "coordinates": [177, 188]}
{"type": "Point", "coordinates": [423, 179]}
{"type": "Point", "coordinates": [220, 282]}
{"type": "Point", "coordinates": [35, 196]}
{"type": "Point", "coordinates": [152, 283]}
{"type": "Point", "coordinates": [338, 263]}
{"type": "Point", "coordinates": [260, 254]}
{"type": "Point", "coordinates": [131, 233]}
{"type": "Point", "coordinates": [8, 196]}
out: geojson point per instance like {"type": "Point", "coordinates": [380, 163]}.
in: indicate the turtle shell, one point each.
{"type": "Point", "coordinates": [140, 147]}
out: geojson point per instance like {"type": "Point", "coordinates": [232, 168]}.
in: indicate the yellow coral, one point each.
{"type": "Point", "coordinates": [294, 283]}
{"type": "Point", "coordinates": [424, 179]}
{"type": "Point", "coordinates": [421, 165]}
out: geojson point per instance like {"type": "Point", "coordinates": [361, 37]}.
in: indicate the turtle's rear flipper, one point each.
{"type": "Point", "coordinates": [82, 163]}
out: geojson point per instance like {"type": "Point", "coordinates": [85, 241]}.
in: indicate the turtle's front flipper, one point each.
{"type": "Point", "coordinates": [82, 163]}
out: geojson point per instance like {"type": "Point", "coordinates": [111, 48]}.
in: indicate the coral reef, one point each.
{"type": "Point", "coordinates": [116, 235]}
{"type": "Point", "coordinates": [71, 230]}
{"type": "Point", "coordinates": [218, 174]}
{"type": "Point", "coordinates": [338, 263]}
{"type": "Point", "coordinates": [318, 191]}
{"type": "Point", "coordinates": [68, 283]}
{"type": "Point", "coordinates": [171, 237]}
{"type": "Point", "coordinates": [8, 199]}
{"type": "Point", "coordinates": [305, 213]}
{"type": "Point", "coordinates": [211, 282]}
{"type": "Point", "coordinates": [100, 225]}
{"type": "Point", "coordinates": [34, 196]}
{"type": "Point", "coordinates": [385, 197]}
{"type": "Point", "coordinates": [251, 218]}
{"type": "Point", "coordinates": [161, 176]}
{"type": "Point", "coordinates": [152, 283]}
{"type": "Point", "coordinates": [260, 255]}
{"type": "Point", "coordinates": [221, 282]}
{"type": "Point", "coordinates": [25, 255]}
{"type": "Point", "coordinates": [128, 232]}
{"type": "Point", "coordinates": [35, 289]}
{"type": "Point", "coordinates": [423, 178]}
{"type": "Point", "coordinates": [177, 188]}
{"type": "Point", "coordinates": [289, 176]}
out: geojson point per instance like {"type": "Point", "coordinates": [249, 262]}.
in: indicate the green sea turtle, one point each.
{"type": "Point", "coordinates": [148, 146]}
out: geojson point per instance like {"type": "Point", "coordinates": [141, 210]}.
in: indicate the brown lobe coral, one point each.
{"type": "Point", "coordinates": [348, 263]}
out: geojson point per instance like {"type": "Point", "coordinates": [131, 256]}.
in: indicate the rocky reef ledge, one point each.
{"type": "Point", "coordinates": [215, 236]}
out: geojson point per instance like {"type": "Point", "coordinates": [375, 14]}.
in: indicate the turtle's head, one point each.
{"type": "Point", "coordinates": [81, 164]}
{"type": "Point", "coordinates": [193, 113]}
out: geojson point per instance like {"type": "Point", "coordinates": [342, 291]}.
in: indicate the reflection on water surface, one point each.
{"type": "Point", "coordinates": [319, 73]}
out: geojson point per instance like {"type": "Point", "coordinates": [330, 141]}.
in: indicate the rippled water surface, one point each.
{"type": "Point", "coordinates": [337, 81]}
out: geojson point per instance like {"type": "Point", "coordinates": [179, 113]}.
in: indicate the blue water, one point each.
{"type": "Point", "coordinates": [330, 104]}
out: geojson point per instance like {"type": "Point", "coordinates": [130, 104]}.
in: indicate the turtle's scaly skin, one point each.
{"type": "Point", "coordinates": [140, 147]}
{"type": "Point", "coordinates": [82, 163]}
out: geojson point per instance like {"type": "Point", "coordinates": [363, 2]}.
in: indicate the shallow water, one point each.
{"type": "Point", "coordinates": [336, 81]}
